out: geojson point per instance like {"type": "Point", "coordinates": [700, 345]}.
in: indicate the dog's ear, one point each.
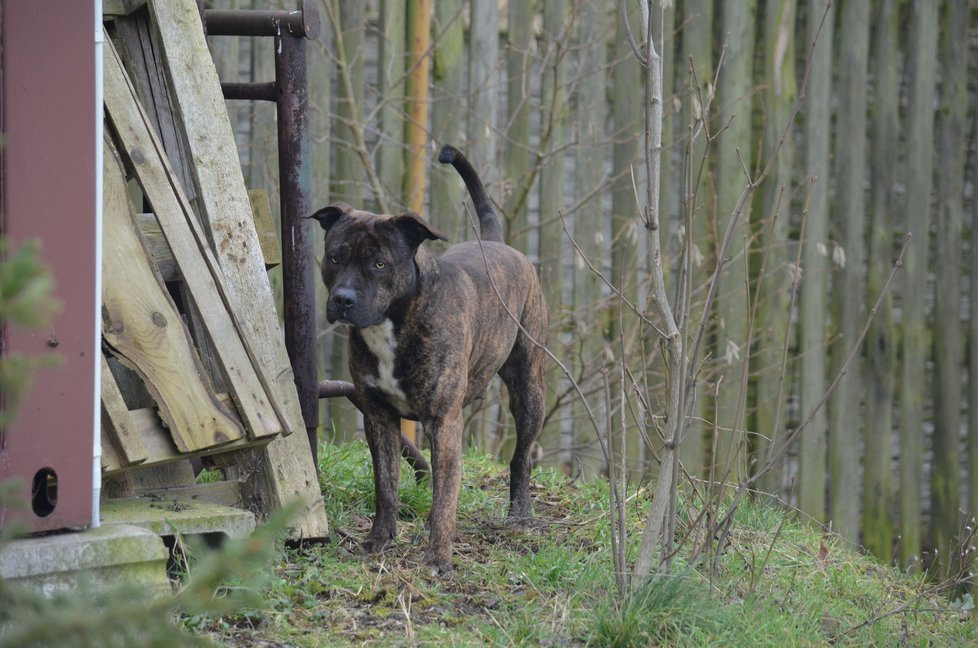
{"type": "Point", "coordinates": [415, 229]}
{"type": "Point", "coordinates": [328, 216]}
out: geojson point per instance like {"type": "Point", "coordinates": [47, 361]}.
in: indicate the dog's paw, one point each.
{"type": "Point", "coordinates": [520, 512]}
{"type": "Point", "coordinates": [377, 542]}
{"type": "Point", "coordinates": [439, 563]}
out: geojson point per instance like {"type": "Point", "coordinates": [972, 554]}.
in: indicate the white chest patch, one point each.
{"type": "Point", "coordinates": [382, 344]}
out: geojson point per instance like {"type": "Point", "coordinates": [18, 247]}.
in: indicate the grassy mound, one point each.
{"type": "Point", "coordinates": [779, 584]}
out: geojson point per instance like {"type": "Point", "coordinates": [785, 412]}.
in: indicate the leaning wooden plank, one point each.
{"type": "Point", "coordinates": [160, 252]}
{"type": "Point", "coordinates": [116, 421]}
{"type": "Point", "coordinates": [257, 405]}
{"type": "Point", "coordinates": [120, 7]}
{"type": "Point", "coordinates": [222, 197]}
{"type": "Point", "coordinates": [139, 50]}
{"type": "Point", "coordinates": [160, 448]}
{"type": "Point", "coordinates": [261, 210]}
{"type": "Point", "coordinates": [287, 469]}
{"type": "Point", "coordinates": [110, 458]}
{"type": "Point", "coordinates": [143, 328]}
{"type": "Point", "coordinates": [225, 493]}
{"type": "Point", "coordinates": [156, 245]}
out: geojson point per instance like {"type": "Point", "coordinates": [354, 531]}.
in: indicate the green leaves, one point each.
{"type": "Point", "coordinates": [26, 285]}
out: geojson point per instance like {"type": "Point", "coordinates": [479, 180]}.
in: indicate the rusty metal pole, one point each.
{"type": "Point", "coordinates": [298, 267]}
{"type": "Point", "coordinates": [291, 95]}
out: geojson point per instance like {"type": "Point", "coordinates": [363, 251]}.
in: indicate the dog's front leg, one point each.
{"type": "Point", "coordinates": [383, 436]}
{"type": "Point", "coordinates": [446, 475]}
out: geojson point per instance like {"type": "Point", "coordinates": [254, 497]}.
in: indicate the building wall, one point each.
{"type": "Point", "coordinates": [49, 193]}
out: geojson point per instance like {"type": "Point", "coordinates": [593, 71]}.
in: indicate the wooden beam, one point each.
{"type": "Point", "coordinates": [222, 197]}
{"type": "Point", "coordinates": [225, 493]}
{"type": "Point", "coordinates": [120, 7]}
{"type": "Point", "coordinates": [160, 252]}
{"type": "Point", "coordinates": [286, 467]}
{"type": "Point", "coordinates": [116, 422]}
{"type": "Point", "coordinates": [110, 458]}
{"type": "Point", "coordinates": [261, 212]}
{"type": "Point", "coordinates": [258, 405]}
{"type": "Point", "coordinates": [139, 50]}
{"type": "Point", "coordinates": [144, 329]}
{"type": "Point", "coordinates": [160, 448]}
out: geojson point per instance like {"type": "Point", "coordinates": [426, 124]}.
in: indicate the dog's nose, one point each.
{"type": "Point", "coordinates": [344, 298]}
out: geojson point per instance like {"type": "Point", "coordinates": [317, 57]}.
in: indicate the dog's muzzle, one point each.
{"type": "Point", "coordinates": [341, 302]}
{"type": "Point", "coordinates": [346, 305]}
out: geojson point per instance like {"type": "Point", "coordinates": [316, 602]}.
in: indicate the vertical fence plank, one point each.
{"type": "Point", "coordinates": [484, 88]}
{"type": "Point", "coordinates": [772, 217]}
{"type": "Point", "coordinates": [391, 69]}
{"type": "Point", "coordinates": [972, 331]}
{"type": "Point", "coordinates": [348, 168]}
{"type": "Point", "coordinates": [320, 74]}
{"type": "Point", "coordinates": [516, 160]}
{"type": "Point", "coordinates": [485, 91]}
{"type": "Point", "coordinates": [554, 117]}
{"type": "Point", "coordinates": [418, 22]}
{"type": "Point", "coordinates": [922, 59]}
{"type": "Point", "coordinates": [879, 506]}
{"type": "Point", "coordinates": [627, 98]}
{"type": "Point", "coordinates": [416, 106]}
{"type": "Point", "coordinates": [696, 61]}
{"type": "Point", "coordinates": [732, 304]}
{"type": "Point", "coordinates": [447, 112]}
{"type": "Point", "coordinates": [811, 486]}
{"type": "Point", "coordinates": [847, 261]}
{"type": "Point", "coordinates": [664, 31]}
{"type": "Point", "coordinates": [588, 218]}
{"type": "Point", "coordinates": [948, 370]}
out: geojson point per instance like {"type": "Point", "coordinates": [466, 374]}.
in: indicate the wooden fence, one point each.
{"type": "Point", "coordinates": [546, 98]}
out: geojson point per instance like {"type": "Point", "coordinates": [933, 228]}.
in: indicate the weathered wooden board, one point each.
{"type": "Point", "coordinates": [142, 326]}
{"type": "Point", "coordinates": [120, 7]}
{"type": "Point", "coordinates": [256, 403]}
{"type": "Point", "coordinates": [110, 458]}
{"type": "Point", "coordinates": [160, 449]}
{"type": "Point", "coordinates": [261, 209]}
{"type": "Point", "coordinates": [139, 49]}
{"type": "Point", "coordinates": [225, 493]}
{"type": "Point", "coordinates": [222, 197]}
{"type": "Point", "coordinates": [286, 467]}
{"type": "Point", "coordinates": [117, 423]}
{"type": "Point", "coordinates": [160, 252]}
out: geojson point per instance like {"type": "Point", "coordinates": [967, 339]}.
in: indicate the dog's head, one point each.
{"type": "Point", "coordinates": [369, 261]}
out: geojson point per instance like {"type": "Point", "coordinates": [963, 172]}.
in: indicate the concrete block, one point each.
{"type": "Point", "coordinates": [102, 557]}
{"type": "Point", "coordinates": [166, 516]}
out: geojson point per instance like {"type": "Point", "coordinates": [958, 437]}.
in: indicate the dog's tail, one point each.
{"type": "Point", "coordinates": [490, 228]}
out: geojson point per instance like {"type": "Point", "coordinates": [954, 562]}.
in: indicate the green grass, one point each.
{"type": "Point", "coordinates": [779, 583]}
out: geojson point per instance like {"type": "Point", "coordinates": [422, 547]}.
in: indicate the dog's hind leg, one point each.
{"type": "Point", "coordinates": [523, 375]}
{"type": "Point", "coordinates": [446, 465]}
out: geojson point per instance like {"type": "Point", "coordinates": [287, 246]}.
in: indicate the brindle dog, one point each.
{"type": "Point", "coordinates": [427, 334]}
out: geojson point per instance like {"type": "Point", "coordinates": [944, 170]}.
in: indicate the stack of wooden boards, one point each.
{"type": "Point", "coordinates": [196, 366]}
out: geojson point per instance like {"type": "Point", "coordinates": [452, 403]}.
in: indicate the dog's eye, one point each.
{"type": "Point", "coordinates": [334, 260]}
{"type": "Point", "coordinates": [380, 265]}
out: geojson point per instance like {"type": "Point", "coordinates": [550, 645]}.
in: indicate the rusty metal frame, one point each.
{"type": "Point", "coordinates": [290, 92]}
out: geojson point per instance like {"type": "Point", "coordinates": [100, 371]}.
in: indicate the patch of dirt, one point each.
{"type": "Point", "coordinates": [396, 594]}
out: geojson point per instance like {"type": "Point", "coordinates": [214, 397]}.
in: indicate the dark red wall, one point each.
{"type": "Point", "coordinates": [49, 179]}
